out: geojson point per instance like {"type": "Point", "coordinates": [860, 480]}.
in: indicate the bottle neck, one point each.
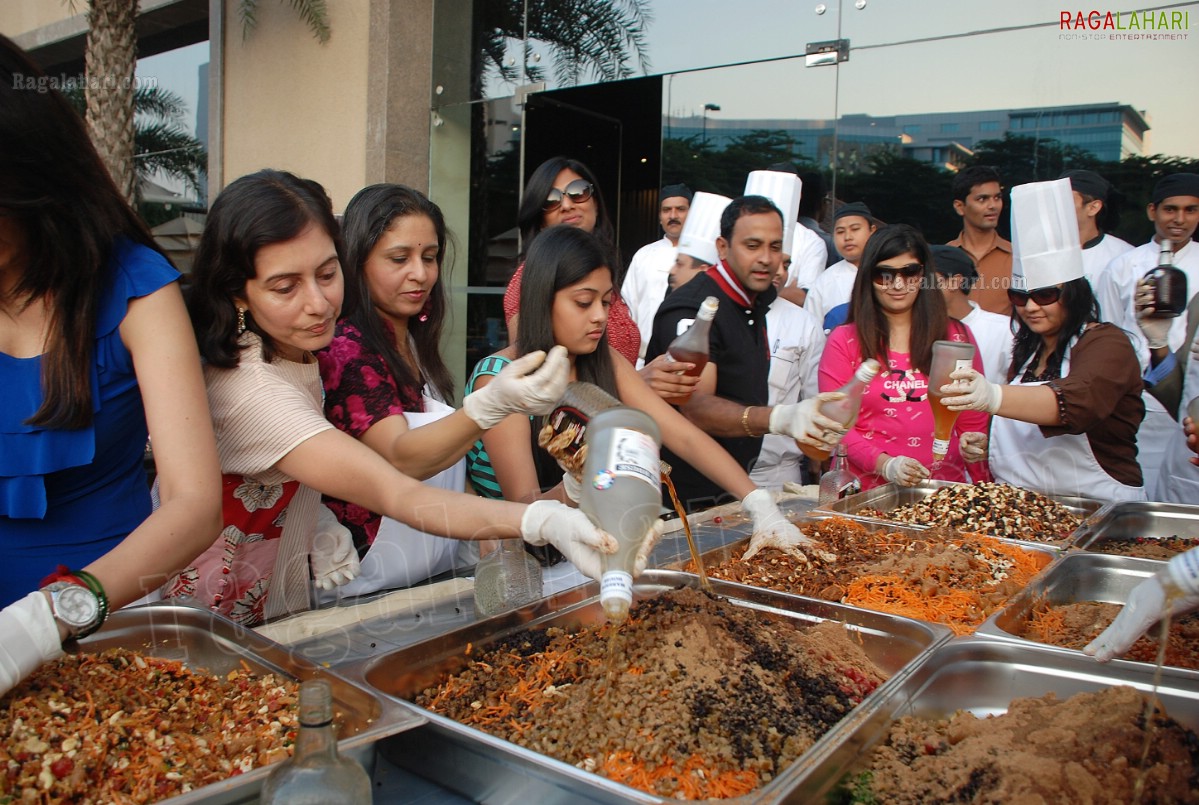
{"type": "Point", "coordinates": [315, 742]}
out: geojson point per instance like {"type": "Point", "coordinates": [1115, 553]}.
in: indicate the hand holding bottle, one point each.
{"type": "Point", "coordinates": [1155, 328]}
{"type": "Point", "coordinates": [670, 379]}
{"type": "Point", "coordinates": [804, 423]}
{"type": "Point", "coordinates": [531, 384]}
{"type": "Point", "coordinates": [973, 446]}
{"type": "Point", "coordinates": [970, 391]}
{"type": "Point", "coordinates": [1173, 589]}
{"type": "Point", "coordinates": [568, 530]}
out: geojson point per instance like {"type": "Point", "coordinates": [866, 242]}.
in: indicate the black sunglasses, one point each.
{"type": "Point", "coordinates": [1042, 296]}
{"type": "Point", "coordinates": [885, 275]}
{"type": "Point", "coordinates": [578, 191]}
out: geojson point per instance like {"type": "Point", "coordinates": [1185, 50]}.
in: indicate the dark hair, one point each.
{"type": "Point", "coordinates": [561, 256]}
{"type": "Point", "coordinates": [969, 178]}
{"type": "Point", "coordinates": [370, 213]}
{"type": "Point", "coordinates": [255, 211]}
{"type": "Point", "coordinates": [813, 194]}
{"type": "Point", "coordinates": [70, 216]}
{"type": "Point", "coordinates": [530, 217]}
{"type": "Point", "coordinates": [745, 205]}
{"type": "Point", "coordinates": [930, 321]}
{"type": "Point", "coordinates": [1081, 307]}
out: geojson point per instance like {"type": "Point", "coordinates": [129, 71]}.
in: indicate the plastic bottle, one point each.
{"type": "Point", "coordinates": [839, 482]}
{"type": "Point", "coordinates": [846, 409]}
{"type": "Point", "coordinates": [316, 774]}
{"type": "Point", "coordinates": [692, 346]}
{"type": "Point", "coordinates": [1169, 285]}
{"type": "Point", "coordinates": [622, 494]}
{"type": "Point", "coordinates": [507, 578]}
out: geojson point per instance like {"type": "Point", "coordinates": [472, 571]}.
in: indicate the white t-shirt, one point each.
{"type": "Point", "coordinates": [808, 258]}
{"type": "Point", "coordinates": [992, 332]}
{"type": "Point", "coordinates": [645, 285]}
{"type": "Point", "coordinates": [830, 291]}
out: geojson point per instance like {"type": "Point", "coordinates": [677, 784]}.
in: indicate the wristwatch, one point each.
{"type": "Point", "coordinates": [75, 606]}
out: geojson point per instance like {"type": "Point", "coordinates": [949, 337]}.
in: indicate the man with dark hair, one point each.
{"type": "Point", "coordinates": [731, 401]}
{"type": "Point", "coordinates": [1091, 192]}
{"type": "Point", "coordinates": [956, 275]}
{"type": "Point", "coordinates": [828, 297]}
{"type": "Point", "coordinates": [646, 279]}
{"type": "Point", "coordinates": [978, 198]}
{"type": "Point", "coordinates": [811, 205]}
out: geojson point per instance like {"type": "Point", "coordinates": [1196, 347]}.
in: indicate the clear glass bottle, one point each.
{"type": "Point", "coordinates": [846, 409]}
{"type": "Point", "coordinates": [507, 578]}
{"type": "Point", "coordinates": [840, 481]}
{"type": "Point", "coordinates": [1169, 285]}
{"type": "Point", "coordinates": [692, 346]}
{"type": "Point", "coordinates": [622, 494]}
{"type": "Point", "coordinates": [316, 774]}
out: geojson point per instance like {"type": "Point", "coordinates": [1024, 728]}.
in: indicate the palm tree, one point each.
{"type": "Point", "coordinates": [315, 14]}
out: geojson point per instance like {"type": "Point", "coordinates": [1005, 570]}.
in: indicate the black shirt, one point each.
{"type": "Point", "coordinates": [739, 347]}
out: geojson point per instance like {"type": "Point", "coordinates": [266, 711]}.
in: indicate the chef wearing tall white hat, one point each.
{"type": "Point", "coordinates": [1066, 423]}
{"type": "Point", "coordinates": [697, 242]}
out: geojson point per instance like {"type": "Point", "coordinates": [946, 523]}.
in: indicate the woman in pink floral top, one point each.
{"type": "Point", "coordinates": [896, 313]}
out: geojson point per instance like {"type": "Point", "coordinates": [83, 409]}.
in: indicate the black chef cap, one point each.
{"type": "Point", "coordinates": [854, 208]}
{"type": "Point", "coordinates": [1088, 183]}
{"type": "Point", "coordinates": [1176, 184]}
{"type": "Point", "coordinates": [672, 190]}
{"type": "Point", "coordinates": [951, 260]}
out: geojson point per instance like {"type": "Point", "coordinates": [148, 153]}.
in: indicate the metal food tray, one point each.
{"type": "Point", "coordinates": [891, 496]}
{"type": "Point", "coordinates": [1074, 578]}
{"type": "Point", "coordinates": [982, 676]}
{"type": "Point", "coordinates": [1121, 522]}
{"type": "Point", "coordinates": [210, 643]}
{"type": "Point", "coordinates": [487, 769]}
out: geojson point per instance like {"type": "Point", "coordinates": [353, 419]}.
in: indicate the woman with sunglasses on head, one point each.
{"type": "Point", "coordinates": [267, 291]}
{"type": "Point", "coordinates": [387, 385]}
{"type": "Point", "coordinates": [569, 287]}
{"type": "Point", "coordinates": [1066, 422]}
{"type": "Point", "coordinates": [896, 312]}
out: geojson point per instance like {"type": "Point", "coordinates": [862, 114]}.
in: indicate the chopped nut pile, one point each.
{"type": "Point", "coordinates": [122, 727]}
{"type": "Point", "coordinates": [1000, 510]}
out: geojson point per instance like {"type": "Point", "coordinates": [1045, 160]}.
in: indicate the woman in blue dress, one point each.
{"type": "Point", "coordinates": [96, 355]}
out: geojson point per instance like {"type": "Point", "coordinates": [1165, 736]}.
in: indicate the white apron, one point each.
{"type": "Point", "coordinates": [1059, 465]}
{"type": "Point", "coordinates": [402, 556]}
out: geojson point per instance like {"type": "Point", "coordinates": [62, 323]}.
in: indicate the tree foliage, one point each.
{"type": "Point", "coordinates": [314, 13]}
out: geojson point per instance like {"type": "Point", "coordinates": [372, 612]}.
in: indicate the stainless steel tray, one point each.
{"type": "Point", "coordinates": [1075, 577]}
{"type": "Point", "coordinates": [892, 496]}
{"type": "Point", "coordinates": [982, 676]}
{"type": "Point", "coordinates": [211, 643]}
{"type": "Point", "coordinates": [1122, 522]}
{"type": "Point", "coordinates": [487, 769]}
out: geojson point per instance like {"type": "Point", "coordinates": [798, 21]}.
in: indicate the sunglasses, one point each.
{"type": "Point", "coordinates": [1042, 296]}
{"type": "Point", "coordinates": [885, 275]}
{"type": "Point", "coordinates": [578, 191]}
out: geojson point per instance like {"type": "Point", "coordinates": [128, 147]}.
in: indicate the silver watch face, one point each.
{"type": "Point", "coordinates": [76, 606]}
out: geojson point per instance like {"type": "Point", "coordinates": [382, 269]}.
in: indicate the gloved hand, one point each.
{"type": "Point", "coordinates": [568, 530]}
{"type": "Point", "coordinates": [571, 486]}
{"type": "Point", "coordinates": [1147, 604]}
{"type": "Point", "coordinates": [1156, 331]}
{"type": "Point", "coordinates": [904, 471]}
{"type": "Point", "coordinates": [772, 529]}
{"type": "Point", "coordinates": [973, 446]}
{"type": "Point", "coordinates": [28, 638]}
{"type": "Point", "coordinates": [652, 537]}
{"type": "Point", "coordinates": [333, 556]}
{"type": "Point", "coordinates": [517, 389]}
{"type": "Point", "coordinates": [971, 392]}
{"type": "Point", "coordinates": [804, 423]}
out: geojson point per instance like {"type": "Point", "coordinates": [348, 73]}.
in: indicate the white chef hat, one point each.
{"type": "Point", "coordinates": [784, 190]}
{"type": "Point", "coordinates": [1045, 246]}
{"type": "Point", "coordinates": [702, 227]}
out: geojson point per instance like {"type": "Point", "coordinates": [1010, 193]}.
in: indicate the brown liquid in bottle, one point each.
{"type": "Point", "coordinates": [700, 359]}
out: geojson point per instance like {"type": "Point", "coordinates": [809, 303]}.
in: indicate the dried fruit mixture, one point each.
{"type": "Point", "coordinates": [1146, 547]}
{"type": "Point", "coordinates": [1077, 624]}
{"type": "Point", "coordinates": [708, 699]}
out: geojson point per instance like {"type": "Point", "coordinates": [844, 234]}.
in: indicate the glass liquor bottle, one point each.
{"type": "Point", "coordinates": [840, 481]}
{"type": "Point", "coordinates": [1169, 285]}
{"type": "Point", "coordinates": [316, 774]}
{"type": "Point", "coordinates": [507, 578]}
{"type": "Point", "coordinates": [692, 346]}
{"type": "Point", "coordinates": [847, 408]}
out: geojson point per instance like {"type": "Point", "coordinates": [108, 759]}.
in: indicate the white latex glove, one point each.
{"type": "Point", "coordinates": [904, 471]}
{"type": "Point", "coordinates": [803, 421]}
{"type": "Point", "coordinates": [652, 537]}
{"type": "Point", "coordinates": [28, 638]}
{"type": "Point", "coordinates": [1147, 604]}
{"type": "Point", "coordinates": [1156, 331]}
{"type": "Point", "coordinates": [971, 392]}
{"type": "Point", "coordinates": [973, 446]}
{"type": "Point", "coordinates": [518, 389]}
{"type": "Point", "coordinates": [568, 530]}
{"type": "Point", "coordinates": [572, 486]}
{"type": "Point", "coordinates": [334, 557]}
{"type": "Point", "coordinates": [771, 527]}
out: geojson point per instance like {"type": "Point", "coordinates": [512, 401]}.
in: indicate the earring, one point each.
{"type": "Point", "coordinates": [241, 320]}
{"type": "Point", "coordinates": [424, 311]}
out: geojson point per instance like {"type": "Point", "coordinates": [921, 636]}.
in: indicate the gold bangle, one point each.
{"type": "Point", "coordinates": [745, 423]}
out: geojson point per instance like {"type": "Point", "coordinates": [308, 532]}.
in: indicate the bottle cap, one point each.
{"type": "Point", "coordinates": [869, 368]}
{"type": "Point", "coordinates": [707, 310]}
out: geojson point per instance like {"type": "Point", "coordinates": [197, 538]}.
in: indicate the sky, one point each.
{"type": "Point", "coordinates": [1014, 68]}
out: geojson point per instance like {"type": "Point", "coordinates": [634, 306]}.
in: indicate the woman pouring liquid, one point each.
{"type": "Point", "coordinates": [1067, 421]}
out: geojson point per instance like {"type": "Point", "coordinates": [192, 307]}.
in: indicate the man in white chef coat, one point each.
{"type": "Point", "coordinates": [646, 279]}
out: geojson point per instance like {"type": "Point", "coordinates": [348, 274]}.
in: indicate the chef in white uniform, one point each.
{"type": "Point", "coordinates": [645, 280]}
{"type": "Point", "coordinates": [1067, 422]}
